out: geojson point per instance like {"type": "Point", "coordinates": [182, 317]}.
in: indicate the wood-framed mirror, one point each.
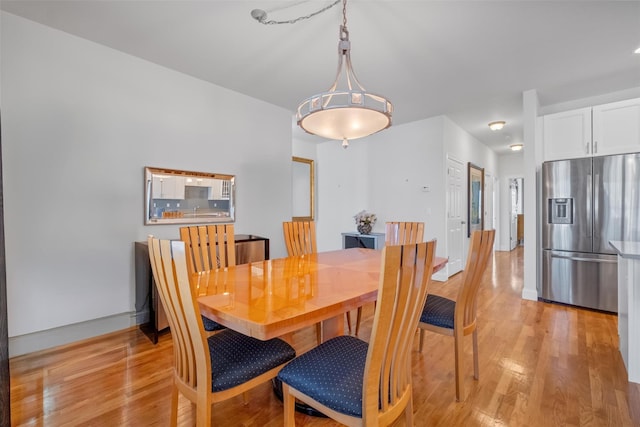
{"type": "Point", "coordinates": [303, 189]}
{"type": "Point", "coordinates": [475, 198]}
{"type": "Point", "coordinates": [184, 197]}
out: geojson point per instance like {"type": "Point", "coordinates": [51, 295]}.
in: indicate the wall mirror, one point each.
{"type": "Point", "coordinates": [182, 197]}
{"type": "Point", "coordinates": [303, 184]}
{"type": "Point", "coordinates": [475, 198]}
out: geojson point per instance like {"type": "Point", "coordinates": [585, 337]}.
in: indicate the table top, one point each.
{"type": "Point", "coordinates": [626, 248]}
{"type": "Point", "coordinates": [271, 298]}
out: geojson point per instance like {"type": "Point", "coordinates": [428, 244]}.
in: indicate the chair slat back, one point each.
{"type": "Point", "coordinates": [300, 237]}
{"type": "Point", "coordinates": [404, 277]}
{"type": "Point", "coordinates": [403, 233]}
{"type": "Point", "coordinates": [480, 248]}
{"type": "Point", "coordinates": [209, 246]}
{"type": "Point", "coordinates": [169, 266]}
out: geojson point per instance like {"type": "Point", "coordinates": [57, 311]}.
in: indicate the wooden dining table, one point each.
{"type": "Point", "coordinates": [272, 298]}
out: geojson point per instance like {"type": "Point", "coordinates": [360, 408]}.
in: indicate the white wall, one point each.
{"type": "Point", "coordinates": [511, 166]}
{"type": "Point", "coordinates": [387, 173]}
{"type": "Point", "coordinates": [79, 123]}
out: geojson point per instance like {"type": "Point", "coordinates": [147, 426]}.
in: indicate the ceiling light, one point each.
{"type": "Point", "coordinates": [497, 125]}
{"type": "Point", "coordinates": [516, 147]}
{"type": "Point", "coordinates": [637, 50]}
{"type": "Point", "coordinates": [348, 113]}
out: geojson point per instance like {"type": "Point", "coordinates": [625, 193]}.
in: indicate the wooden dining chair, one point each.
{"type": "Point", "coordinates": [300, 239]}
{"type": "Point", "coordinates": [397, 233]}
{"type": "Point", "coordinates": [402, 233]}
{"type": "Point", "coordinates": [368, 384]}
{"type": "Point", "coordinates": [458, 318]}
{"type": "Point", "coordinates": [209, 247]}
{"type": "Point", "coordinates": [207, 369]}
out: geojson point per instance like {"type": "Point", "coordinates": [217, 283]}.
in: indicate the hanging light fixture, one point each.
{"type": "Point", "coordinates": [348, 113]}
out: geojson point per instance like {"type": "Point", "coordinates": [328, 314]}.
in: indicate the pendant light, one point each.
{"type": "Point", "coordinates": [344, 113]}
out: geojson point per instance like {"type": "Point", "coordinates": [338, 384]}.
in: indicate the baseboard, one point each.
{"type": "Point", "coordinates": [41, 340]}
{"type": "Point", "coordinates": [530, 294]}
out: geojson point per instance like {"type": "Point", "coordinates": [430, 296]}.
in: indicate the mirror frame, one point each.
{"type": "Point", "coordinates": [303, 189]}
{"type": "Point", "coordinates": [475, 199]}
{"type": "Point", "coordinates": [180, 218]}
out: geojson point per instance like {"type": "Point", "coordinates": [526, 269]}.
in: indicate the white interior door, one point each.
{"type": "Point", "coordinates": [456, 226]}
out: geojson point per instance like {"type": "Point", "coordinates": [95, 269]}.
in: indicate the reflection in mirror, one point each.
{"type": "Point", "coordinates": [475, 198]}
{"type": "Point", "coordinates": [182, 197]}
{"type": "Point", "coordinates": [303, 184]}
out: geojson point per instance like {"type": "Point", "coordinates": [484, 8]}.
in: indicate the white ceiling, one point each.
{"type": "Point", "coordinates": [470, 60]}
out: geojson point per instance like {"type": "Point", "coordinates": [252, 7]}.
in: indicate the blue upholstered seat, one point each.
{"type": "Point", "coordinates": [237, 358]}
{"type": "Point", "coordinates": [331, 373]}
{"type": "Point", "coordinates": [210, 325]}
{"type": "Point", "coordinates": [438, 311]}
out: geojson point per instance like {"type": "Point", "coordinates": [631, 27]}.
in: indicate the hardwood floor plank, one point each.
{"type": "Point", "coordinates": [541, 364]}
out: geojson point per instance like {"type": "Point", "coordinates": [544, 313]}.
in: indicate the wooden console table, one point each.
{"type": "Point", "coordinates": [249, 248]}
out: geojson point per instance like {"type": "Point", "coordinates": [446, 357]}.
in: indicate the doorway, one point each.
{"type": "Point", "coordinates": [516, 213]}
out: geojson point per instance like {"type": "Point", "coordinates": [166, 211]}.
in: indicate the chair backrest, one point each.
{"type": "Point", "coordinates": [191, 354]}
{"type": "Point", "coordinates": [402, 233]}
{"type": "Point", "coordinates": [404, 277]}
{"type": "Point", "coordinates": [300, 237]}
{"type": "Point", "coordinates": [480, 248]}
{"type": "Point", "coordinates": [209, 247]}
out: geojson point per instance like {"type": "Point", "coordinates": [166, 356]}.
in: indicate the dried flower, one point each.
{"type": "Point", "coordinates": [364, 218]}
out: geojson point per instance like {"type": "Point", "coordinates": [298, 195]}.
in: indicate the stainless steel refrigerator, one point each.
{"type": "Point", "coordinates": [586, 203]}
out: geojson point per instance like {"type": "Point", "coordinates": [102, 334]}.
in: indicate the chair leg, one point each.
{"type": "Point", "coordinates": [459, 365]}
{"type": "Point", "coordinates": [408, 412]}
{"type": "Point", "coordinates": [421, 340]}
{"type": "Point", "coordinates": [349, 321]}
{"type": "Point", "coordinates": [289, 406]}
{"type": "Point", "coordinates": [203, 411]}
{"type": "Point", "coordinates": [358, 320]}
{"type": "Point", "coordinates": [476, 365]}
{"type": "Point", "coordinates": [174, 406]}
{"type": "Point", "coordinates": [319, 332]}
{"type": "Point", "coordinates": [245, 398]}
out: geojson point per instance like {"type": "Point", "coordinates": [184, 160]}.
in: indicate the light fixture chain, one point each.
{"type": "Point", "coordinates": [344, 13]}
{"type": "Point", "coordinates": [311, 15]}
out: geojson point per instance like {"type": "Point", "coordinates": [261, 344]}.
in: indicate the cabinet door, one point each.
{"type": "Point", "coordinates": [567, 135]}
{"type": "Point", "coordinates": [616, 127]}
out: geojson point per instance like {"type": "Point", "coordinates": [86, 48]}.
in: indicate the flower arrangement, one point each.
{"type": "Point", "coordinates": [365, 218]}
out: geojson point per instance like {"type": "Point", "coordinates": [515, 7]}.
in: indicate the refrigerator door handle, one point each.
{"type": "Point", "coordinates": [596, 204]}
{"type": "Point", "coordinates": [589, 205]}
{"type": "Point", "coordinates": [576, 258]}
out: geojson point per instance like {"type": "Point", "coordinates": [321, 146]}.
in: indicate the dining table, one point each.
{"type": "Point", "coordinates": [273, 298]}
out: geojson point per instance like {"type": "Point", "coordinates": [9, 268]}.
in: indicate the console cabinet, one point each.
{"type": "Point", "coordinates": [357, 240]}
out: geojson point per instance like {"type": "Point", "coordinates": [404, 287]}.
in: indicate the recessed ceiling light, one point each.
{"type": "Point", "coordinates": [516, 147]}
{"type": "Point", "coordinates": [637, 50]}
{"type": "Point", "coordinates": [497, 125]}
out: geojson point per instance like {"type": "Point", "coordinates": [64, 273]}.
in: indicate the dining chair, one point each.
{"type": "Point", "coordinates": [207, 369]}
{"type": "Point", "coordinates": [209, 247]}
{"type": "Point", "coordinates": [368, 384]}
{"type": "Point", "coordinates": [300, 239]}
{"type": "Point", "coordinates": [458, 318]}
{"type": "Point", "coordinates": [397, 233]}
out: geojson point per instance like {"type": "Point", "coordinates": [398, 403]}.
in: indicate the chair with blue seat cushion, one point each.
{"type": "Point", "coordinates": [397, 233]}
{"type": "Point", "coordinates": [207, 369]}
{"type": "Point", "coordinates": [209, 247]}
{"type": "Point", "coordinates": [458, 318]}
{"type": "Point", "coordinates": [331, 377]}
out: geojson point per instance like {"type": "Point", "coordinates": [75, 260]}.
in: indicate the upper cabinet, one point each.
{"type": "Point", "coordinates": [168, 187]}
{"type": "Point", "coordinates": [612, 128]}
{"type": "Point", "coordinates": [616, 127]}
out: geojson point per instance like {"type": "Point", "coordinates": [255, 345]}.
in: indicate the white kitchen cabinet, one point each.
{"type": "Point", "coordinates": [567, 135]}
{"type": "Point", "coordinates": [612, 128]}
{"type": "Point", "coordinates": [168, 187]}
{"type": "Point", "coordinates": [220, 190]}
{"type": "Point", "coordinates": [616, 127]}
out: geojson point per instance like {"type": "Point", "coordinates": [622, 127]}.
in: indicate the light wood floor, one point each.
{"type": "Point", "coordinates": [540, 365]}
